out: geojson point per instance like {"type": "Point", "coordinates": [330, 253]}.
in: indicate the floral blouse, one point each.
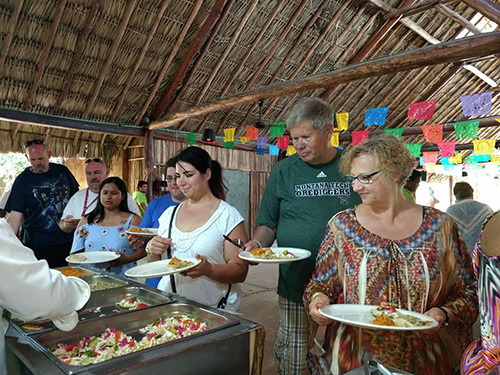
{"type": "Point", "coordinates": [97, 238]}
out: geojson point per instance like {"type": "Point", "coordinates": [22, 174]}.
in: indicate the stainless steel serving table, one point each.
{"type": "Point", "coordinates": [236, 347]}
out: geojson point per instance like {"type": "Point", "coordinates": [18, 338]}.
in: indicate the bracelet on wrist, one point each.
{"type": "Point", "coordinates": [315, 295]}
{"type": "Point", "coordinates": [447, 316]}
{"type": "Point", "coordinates": [258, 243]}
{"type": "Point", "coordinates": [148, 249]}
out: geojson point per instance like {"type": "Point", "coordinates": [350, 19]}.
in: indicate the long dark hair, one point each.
{"type": "Point", "coordinates": [97, 215]}
{"type": "Point", "coordinates": [201, 160]}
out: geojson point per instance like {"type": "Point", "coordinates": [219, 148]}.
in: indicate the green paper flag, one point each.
{"type": "Point", "coordinates": [466, 129]}
{"type": "Point", "coordinates": [414, 148]}
{"type": "Point", "coordinates": [397, 132]}
{"type": "Point", "coordinates": [191, 139]}
{"type": "Point", "coordinates": [229, 144]}
{"type": "Point", "coordinates": [277, 129]}
{"type": "Point", "coordinates": [470, 160]}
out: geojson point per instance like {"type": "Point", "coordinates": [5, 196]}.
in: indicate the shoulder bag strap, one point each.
{"type": "Point", "coordinates": [169, 251]}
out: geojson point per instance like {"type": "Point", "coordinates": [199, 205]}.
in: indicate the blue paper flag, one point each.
{"type": "Point", "coordinates": [261, 151]}
{"type": "Point", "coordinates": [480, 158]}
{"type": "Point", "coordinates": [273, 150]}
{"type": "Point", "coordinates": [376, 116]}
{"type": "Point", "coordinates": [445, 161]}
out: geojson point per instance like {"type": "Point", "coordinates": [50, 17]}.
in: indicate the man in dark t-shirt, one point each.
{"type": "Point", "coordinates": [36, 203]}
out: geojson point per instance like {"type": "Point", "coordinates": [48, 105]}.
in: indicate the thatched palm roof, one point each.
{"type": "Point", "coordinates": [130, 65]}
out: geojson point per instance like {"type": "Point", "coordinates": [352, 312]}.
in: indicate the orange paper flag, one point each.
{"type": "Point", "coordinates": [433, 133]}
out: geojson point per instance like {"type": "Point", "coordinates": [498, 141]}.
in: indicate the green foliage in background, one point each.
{"type": "Point", "coordinates": [11, 165]}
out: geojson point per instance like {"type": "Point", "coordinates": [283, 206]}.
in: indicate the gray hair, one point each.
{"type": "Point", "coordinates": [310, 109]}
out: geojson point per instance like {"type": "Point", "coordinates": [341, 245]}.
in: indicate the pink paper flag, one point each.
{"type": "Point", "coordinates": [359, 136]}
{"type": "Point", "coordinates": [446, 149]}
{"type": "Point", "coordinates": [421, 110]}
{"type": "Point", "coordinates": [433, 133]}
{"type": "Point", "coordinates": [430, 156]}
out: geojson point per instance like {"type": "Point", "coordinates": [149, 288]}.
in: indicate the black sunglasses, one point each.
{"type": "Point", "coordinates": [97, 160]}
{"type": "Point", "coordinates": [34, 142]}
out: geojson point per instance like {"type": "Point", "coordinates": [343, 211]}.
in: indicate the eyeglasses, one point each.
{"type": "Point", "coordinates": [97, 160]}
{"type": "Point", "coordinates": [364, 178]}
{"type": "Point", "coordinates": [34, 142]}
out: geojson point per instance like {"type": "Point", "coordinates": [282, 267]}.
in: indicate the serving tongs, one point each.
{"type": "Point", "coordinates": [369, 360]}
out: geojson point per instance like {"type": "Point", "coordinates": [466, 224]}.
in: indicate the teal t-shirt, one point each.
{"type": "Point", "coordinates": [298, 202]}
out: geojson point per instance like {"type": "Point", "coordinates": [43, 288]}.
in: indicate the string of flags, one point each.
{"type": "Point", "coordinates": [472, 105]}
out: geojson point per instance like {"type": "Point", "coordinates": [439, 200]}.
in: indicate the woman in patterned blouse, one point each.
{"type": "Point", "coordinates": [389, 250]}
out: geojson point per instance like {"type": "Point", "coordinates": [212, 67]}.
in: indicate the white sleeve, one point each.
{"type": "Point", "coordinates": [30, 289]}
{"type": "Point", "coordinates": [132, 206]}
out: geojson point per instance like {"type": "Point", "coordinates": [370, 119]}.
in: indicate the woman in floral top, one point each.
{"type": "Point", "coordinates": [104, 228]}
{"type": "Point", "coordinates": [389, 250]}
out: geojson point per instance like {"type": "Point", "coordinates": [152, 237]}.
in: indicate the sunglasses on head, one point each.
{"type": "Point", "coordinates": [97, 160]}
{"type": "Point", "coordinates": [34, 142]}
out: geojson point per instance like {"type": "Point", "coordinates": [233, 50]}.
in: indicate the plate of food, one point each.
{"type": "Point", "coordinates": [378, 317]}
{"type": "Point", "coordinates": [90, 257]}
{"type": "Point", "coordinates": [275, 255]}
{"type": "Point", "coordinates": [162, 267]}
{"type": "Point", "coordinates": [143, 232]}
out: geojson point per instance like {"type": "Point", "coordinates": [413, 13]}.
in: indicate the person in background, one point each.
{"type": "Point", "coordinates": [411, 185]}
{"type": "Point", "coordinates": [484, 353]}
{"type": "Point", "coordinates": [29, 289]}
{"type": "Point", "coordinates": [104, 229]}
{"type": "Point", "coordinates": [85, 200]}
{"type": "Point", "coordinates": [389, 250]}
{"type": "Point", "coordinates": [468, 213]}
{"type": "Point", "coordinates": [157, 207]}
{"type": "Point", "coordinates": [36, 203]}
{"type": "Point", "coordinates": [140, 196]}
{"type": "Point", "coordinates": [301, 195]}
{"type": "Point", "coordinates": [197, 228]}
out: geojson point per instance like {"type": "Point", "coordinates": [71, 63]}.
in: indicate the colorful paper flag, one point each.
{"type": "Point", "coordinates": [262, 142]}
{"type": "Point", "coordinates": [446, 149]}
{"type": "Point", "coordinates": [376, 116]}
{"type": "Point", "coordinates": [445, 161]}
{"type": "Point", "coordinates": [283, 142]}
{"type": "Point", "coordinates": [430, 156]}
{"type": "Point", "coordinates": [397, 132]}
{"type": "Point", "coordinates": [191, 139]}
{"type": "Point", "coordinates": [414, 148]}
{"type": "Point", "coordinates": [476, 104]}
{"type": "Point", "coordinates": [484, 146]}
{"type": "Point", "coordinates": [334, 140]}
{"type": "Point", "coordinates": [433, 133]}
{"type": "Point", "coordinates": [290, 151]}
{"type": "Point", "coordinates": [229, 144]}
{"type": "Point", "coordinates": [480, 158]}
{"type": "Point", "coordinates": [243, 140]}
{"type": "Point", "coordinates": [261, 151]}
{"type": "Point", "coordinates": [252, 133]}
{"type": "Point", "coordinates": [359, 136]}
{"type": "Point", "coordinates": [342, 121]}
{"type": "Point", "coordinates": [273, 150]}
{"type": "Point", "coordinates": [470, 160]}
{"type": "Point", "coordinates": [229, 135]}
{"type": "Point", "coordinates": [421, 110]}
{"type": "Point", "coordinates": [466, 129]}
{"type": "Point", "coordinates": [495, 159]}
{"type": "Point", "coordinates": [456, 159]}
{"type": "Point", "coordinates": [277, 129]}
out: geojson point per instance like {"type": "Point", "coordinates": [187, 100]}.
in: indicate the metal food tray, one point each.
{"type": "Point", "coordinates": [130, 324]}
{"type": "Point", "coordinates": [101, 304]}
{"type": "Point", "coordinates": [117, 282]}
{"type": "Point", "coordinates": [84, 270]}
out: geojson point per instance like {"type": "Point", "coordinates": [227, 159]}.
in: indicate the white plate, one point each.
{"type": "Point", "coordinates": [154, 232]}
{"type": "Point", "coordinates": [361, 316]}
{"type": "Point", "coordinates": [95, 257]}
{"type": "Point", "coordinates": [158, 268]}
{"type": "Point", "coordinates": [300, 254]}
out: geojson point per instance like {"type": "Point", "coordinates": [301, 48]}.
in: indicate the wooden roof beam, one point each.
{"type": "Point", "coordinates": [487, 8]}
{"type": "Point", "coordinates": [451, 51]}
{"type": "Point", "coordinates": [140, 59]}
{"type": "Point", "coordinates": [10, 32]}
{"type": "Point", "coordinates": [443, 9]}
{"type": "Point", "coordinates": [419, 7]}
{"type": "Point", "coordinates": [45, 54]}
{"type": "Point", "coordinates": [200, 36]}
{"type": "Point", "coordinates": [169, 60]}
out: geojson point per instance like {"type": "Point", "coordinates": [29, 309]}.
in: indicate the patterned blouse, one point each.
{"type": "Point", "coordinates": [484, 353]}
{"type": "Point", "coordinates": [430, 268]}
{"type": "Point", "coordinates": [98, 238]}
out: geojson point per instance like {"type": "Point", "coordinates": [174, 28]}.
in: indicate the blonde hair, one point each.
{"type": "Point", "coordinates": [392, 156]}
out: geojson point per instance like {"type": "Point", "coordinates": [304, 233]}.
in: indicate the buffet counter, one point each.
{"type": "Point", "coordinates": [231, 345]}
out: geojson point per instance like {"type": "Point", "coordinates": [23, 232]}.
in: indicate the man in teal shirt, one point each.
{"type": "Point", "coordinates": [302, 194]}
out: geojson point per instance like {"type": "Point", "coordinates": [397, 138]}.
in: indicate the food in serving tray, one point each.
{"type": "Point", "coordinates": [32, 327]}
{"type": "Point", "coordinates": [114, 343]}
{"type": "Point", "coordinates": [139, 230]}
{"type": "Point", "coordinates": [388, 316]}
{"type": "Point", "coordinates": [267, 253]}
{"type": "Point", "coordinates": [177, 263]}
{"type": "Point", "coordinates": [132, 303]}
{"type": "Point", "coordinates": [97, 285]}
{"type": "Point", "coordinates": [68, 271]}
{"type": "Point", "coordinates": [77, 258]}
